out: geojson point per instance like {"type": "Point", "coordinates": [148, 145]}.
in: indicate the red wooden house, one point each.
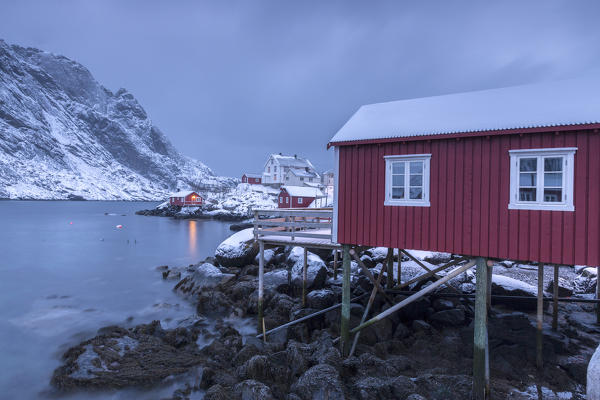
{"type": "Point", "coordinates": [298, 196]}
{"type": "Point", "coordinates": [510, 173]}
{"type": "Point", "coordinates": [185, 198]}
{"type": "Point", "coordinates": [253, 179]}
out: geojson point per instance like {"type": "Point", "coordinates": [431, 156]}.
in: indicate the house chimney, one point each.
{"type": "Point", "coordinates": [280, 154]}
{"type": "Point", "coordinates": [295, 156]}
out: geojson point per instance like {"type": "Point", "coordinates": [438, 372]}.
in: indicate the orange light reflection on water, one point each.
{"type": "Point", "coordinates": [192, 236]}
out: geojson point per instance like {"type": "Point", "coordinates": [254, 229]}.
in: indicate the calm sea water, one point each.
{"type": "Point", "coordinates": [67, 270]}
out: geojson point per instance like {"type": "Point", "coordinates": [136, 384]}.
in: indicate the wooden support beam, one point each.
{"type": "Point", "coordinates": [304, 273]}
{"type": "Point", "coordinates": [434, 275]}
{"type": "Point", "coordinates": [490, 274]}
{"type": "Point", "coordinates": [390, 269]}
{"type": "Point", "coordinates": [366, 313]}
{"type": "Point", "coordinates": [428, 274]}
{"type": "Point", "coordinates": [335, 263]}
{"type": "Point", "coordinates": [598, 294]}
{"type": "Point", "coordinates": [369, 275]}
{"type": "Point", "coordinates": [345, 319]}
{"type": "Point", "coordinates": [481, 362]}
{"type": "Point", "coordinates": [540, 318]}
{"type": "Point", "coordinates": [455, 272]}
{"type": "Point", "coordinates": [399, 268]}
{"type": "Point", "coordinates": [555, 300]}
{"type": "Point", "coordinates": [261, 282]}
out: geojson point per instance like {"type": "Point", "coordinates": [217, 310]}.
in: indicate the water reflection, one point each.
{"type": "Point", "coordinates": [192, 237]}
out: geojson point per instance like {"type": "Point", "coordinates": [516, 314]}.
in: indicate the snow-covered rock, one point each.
{"type": "Point", "coordinates": [593, 377]}
{"type": "Point", "coordinates": [238, 249]}
{"type": "Point", "coordinates": [63, 135]}
{"type": "Point", "coordinates": [205, 276]}
{"type": "Point", "coordinates": [506, 286]}
{"type": "Point", "coordinates": [316, 271]}
{"type": "Point", "coordinates": [276, 280]}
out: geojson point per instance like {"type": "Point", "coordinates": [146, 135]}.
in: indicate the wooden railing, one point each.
{"type": "Point", "coordinates": [315, 223]}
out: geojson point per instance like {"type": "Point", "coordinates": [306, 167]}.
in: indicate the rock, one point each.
{"type": "Point", "coordinates": [372, 388]}
{"type": "Point", "coordinates": [213, 303]}
{"type": "Point", "coordinates": [565, 288]}
{"type": "Point", "coordinates": [320, 299]}
{"type": "Point", "coordinates": [415, 396]}
{"type": "Point", "coordinates": [453, 317]}
{"type": "Point", "coordinates": [217, 392]}
{"type": "Point", "coordinates": [401, 331]}
{"type": "Point", "coordinates": [205, 276]}
{"type": "Point", "coordinates": [421, 326]}
{"type": "Point", "coordinates": [437, 258]}
{"type": "Point", "coordinates": [269, 256]}
{"type": "Point", "coordinates": [240, 226]}
{"type": "Point", "coordinates": [162, 268]}
{"type": "Point", "coordinates": [277, 280]}
{"type": "Point", "coordinates": [506, 286]}
{"type": "Point", "coordinates": [237, 250]}
{"type": "Point", "coordinates": [261, 368]}
{"type": "Point", "coordinates": [367, 261]}
{"type": "Point", "coordinates": [252, 390]}
{"type": "Point", "coordinates": [321, 382]}
{"type": "Point", "coordinates": [447, 387]}
{"type": "Point", "coordinates": [593, 377]}
{"type": "Point", "coordinates": [442, 304]}
{"type": "Point", "coordinates": [316, 270]}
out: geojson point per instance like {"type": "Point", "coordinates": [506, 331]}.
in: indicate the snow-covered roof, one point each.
{"type": "Point", "coordinates": [558, 103]}
{"type": "Point", "coordinates": [303, 173]}
{"type": "Point", "coordinates": [303, 191]}
{"type": "Point", "coordinates": [292, 161]}
{"type": "Point", "coordinates": [253, 175]}
{"type": "Point", "coordinates": [312, 184]}
{"type": "Point", "coordinates": [181, 194]}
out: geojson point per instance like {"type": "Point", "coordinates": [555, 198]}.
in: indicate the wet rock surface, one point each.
{"type": "Point", "coordinates": [423, 351]}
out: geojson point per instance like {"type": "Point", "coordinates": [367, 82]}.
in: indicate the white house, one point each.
{"type": "Point", "coordinates": [278, 166]}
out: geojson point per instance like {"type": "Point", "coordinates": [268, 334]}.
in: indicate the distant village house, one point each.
{"type": "Point", "coordinates": [252, 179]}
{"type": "Point", "coordinates": [300, 197]}
{"type": "Point", "coordinates": [185, 198]}
{"type": "Point", "coordinates": [296, 170]}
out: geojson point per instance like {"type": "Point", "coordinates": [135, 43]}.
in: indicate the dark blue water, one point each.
{"type": "Point", "coordinates": [67, 270]}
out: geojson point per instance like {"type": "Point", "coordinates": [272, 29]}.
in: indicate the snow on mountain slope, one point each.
{"type": "Point", "coordinates": [63, 134]}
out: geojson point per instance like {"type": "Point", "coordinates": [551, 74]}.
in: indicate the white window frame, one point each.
{"type": "Point", "coordinates": [568, 179]}
{"type": "Point", "coordinates": [299, 200]}
{"type": "Point", "coordinates": [423, 202]}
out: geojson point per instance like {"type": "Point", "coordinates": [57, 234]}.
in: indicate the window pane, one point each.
{"type": "Point", "coordinates": [528, 164]}
{"type": "Point", "coordinates": [553, 179]}
{"type": "Point", "coordinates": [416, 180]}
{"type": "Point", "coordinates": [527, 195]}
{"type": "Point", "coordinates": [553, 164]}
{"type": "Point", "coordinates": [397, 180]}
{"type": "Point", "coordinates": [553, 195]}
{"type": "Point", "coordinates": [416, 167]}
{"type": "Point", "coordinates": [527, 179]}
{"type": "Point", "coordinates": [398, 168]}
{"type": "Point", "coordinates": [416, 193]}
{"type": "Point", "coordinates": [398, 193]}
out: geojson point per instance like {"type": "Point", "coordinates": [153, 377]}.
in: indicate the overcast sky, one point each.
{"type": "Point", "coordinates": [232, 81]}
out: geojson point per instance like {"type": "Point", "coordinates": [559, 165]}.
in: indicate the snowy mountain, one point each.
{"type": "Point", "coordinates": [62, 134]}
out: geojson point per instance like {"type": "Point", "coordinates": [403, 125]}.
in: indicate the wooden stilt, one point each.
{"type": "Point", "coordinates": [366, 313]}
{"type": "Point", "coordinates": [335, 263]}
{"type": "Point", "coordinates": [399, 268]}
{"type": "Point", "coordinates": [369, 275]}
{"type": "Point", "coordinates": [489, 286]}
{"type": "Point", "coordinates": [598, 294]}
{"type": "Point", "coordinates": [304, 273]}
{"type": "Point", "coordinates": [390, 268]}
{"type": "Point", "coordinates": [261, 274]}
{"type": "Point", "coordinates": [540, 317]}
{"type": "Point", "coordinates": [555, 300]}
{"type": "Point", "coordinates": [481, 362]}
{"type": "Point", "coordinates": [345, 320]}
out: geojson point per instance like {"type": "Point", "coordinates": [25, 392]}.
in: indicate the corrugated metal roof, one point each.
{"type": "Point", "coordinates": [291, 161]}
{"type": "Point", "coordinates": [303, 191]}
{"type": "Point", "coordinates": [558, 103]}
{"type": "Point", "coordinates": [181, 194]}
{"type": "Point", "coordinates": [253, 175]}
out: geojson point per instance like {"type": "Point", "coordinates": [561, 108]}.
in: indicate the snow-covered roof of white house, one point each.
{"type": "Point", "coordinates": [183, 193]}
{"type": "Point", "coordinates": [303, 191]}
{"type": "Point", "coordinates": [253, 175]}
{"type": "Point", "coordinates": [303, 173]}
{"type": "Point", "coordinates": [292, 161]}
{"type": "Point", "coordinates": [557, 103]}
{"type": "Point", "coordinates": [312, 184]}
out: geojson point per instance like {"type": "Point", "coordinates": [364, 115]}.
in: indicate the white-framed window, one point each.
{"type": "Point", "coordinates": [287, 200]}
{"type": "Point", "coordinates": [542, 179]}
{"type": "Point", "coordinates": [281, 199]}
{"type": "Point", "coordinates": [299, 200]}
{"type": "Point", "coordinates": [407, 180]}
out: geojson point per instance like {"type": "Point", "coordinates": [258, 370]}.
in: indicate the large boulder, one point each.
{"type": "Point", "coordinates": [277, 280]}
{"type": "Point", "coordinates": [593, 377]}
{"type": "Point", "coordinates": [238, 249]}
{"type": "Point", "coordinates": [316, 273]}
{"type": "Point", "coordinates": [506, 286]}
{"type": "Point", "coordinates": [321, 382]}
{"type": "Point", "coordinates": [252, 390]}
{"type": "Point", "coordinates": [205, 276]}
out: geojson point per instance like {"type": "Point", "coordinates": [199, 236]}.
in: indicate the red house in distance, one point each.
{"type": "Point", "coordinates": [185, 198]}
{"type": "Point", "coordinates": [298, 196]}
{"type": "Point", "coordinates": [510, 173]}
{"type": "Point", "coordinates": [253, 179]}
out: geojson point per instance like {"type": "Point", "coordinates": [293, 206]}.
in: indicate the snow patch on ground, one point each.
{"type": "Point", "coordinates": [234, 245]}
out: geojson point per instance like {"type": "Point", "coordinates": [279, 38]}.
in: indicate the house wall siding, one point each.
{"type": "Point", "coordinates": [469, 194]}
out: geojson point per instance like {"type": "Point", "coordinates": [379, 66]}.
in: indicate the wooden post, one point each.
{"type": "Point", "coordinates": [598, 294]}
{"type": "Point", "coordinates": [481, 362]}
{"type": "Point", "coordinates": [335, 263]}
{"type": "Point", "coordinates": [540, 317]}
{"type": "Point", "coordinates": [261, 274]}
{"type": "Point", "coordinates": [399, 268]}
{"type": "Point", "coordinates": [345, 320]}
{"type": "Point", "coordinates": [489, 286]}
{"type": "Point", "coordinates": [555, 300]}
{"type": "Point", "coordinates": [390, 268]}
{"type": "Point", "coordinates": [304, 273]}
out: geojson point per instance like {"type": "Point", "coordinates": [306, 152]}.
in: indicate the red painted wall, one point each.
{"type": "Point", "coordinates": [174, 201]}
{"type": "Point", "coordinates": [469, 195]}
{"type": "Point", "coordinates": [292, 202]}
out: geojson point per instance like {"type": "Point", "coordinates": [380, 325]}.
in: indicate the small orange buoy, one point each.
{"type": "Point", "coordinates": [119, 226]}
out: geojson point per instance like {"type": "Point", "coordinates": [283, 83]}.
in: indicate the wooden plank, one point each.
{"type": "Point", "coordinates": [345, 314]}
{"type": "Point", "coordinates": [369, 275]}
{"type": "Point", "coordinates": [261, 274]}
{"type": "Point", "coordinates": [304, 273]}
{"type": "Point", "coordinates": [555, 300]}
{"type": "Point", "coordinates": [435, 276]}
{"type": "Point", "coordinates": [303, 234]}
{"type": "Point", "coordinates": [300, 224]}
{"type": "Point", "coordinates": [390, 268]}
{"type": "Point", "coordinates": [540, 318]}
{"type": "Point", "coordinates": [481, 362]}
